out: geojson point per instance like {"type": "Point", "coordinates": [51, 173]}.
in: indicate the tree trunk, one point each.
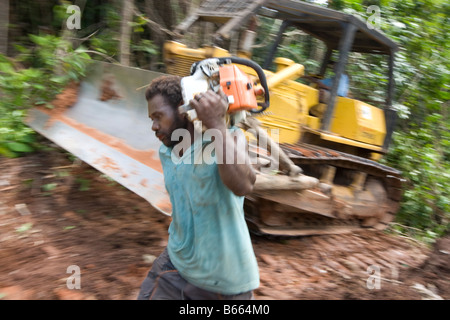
{"type": "Point", "coordinates": [125, 32]}
{"type": "Point", "coordinates": [4, 21]}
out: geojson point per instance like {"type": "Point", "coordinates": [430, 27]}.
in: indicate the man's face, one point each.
{"type": "Point", "coordinates": [165, 119]}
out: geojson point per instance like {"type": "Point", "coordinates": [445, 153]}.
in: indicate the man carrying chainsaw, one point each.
{"type": "Point", "coordinates": [209, 253]}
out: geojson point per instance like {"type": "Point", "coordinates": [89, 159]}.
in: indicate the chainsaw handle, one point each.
{"type": "Point", "coordinates": [261, 75]}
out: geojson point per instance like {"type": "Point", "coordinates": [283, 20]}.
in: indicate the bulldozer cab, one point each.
{"type": "Point", "coordinates": [342, 34]}
{"type": "Point", "coordinates": [348, 124]}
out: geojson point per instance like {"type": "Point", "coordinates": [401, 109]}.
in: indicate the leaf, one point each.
{"type": "Point", "coordinates": [7, 152]}
{"type": "Point", "coordinates": [25, 227]}
{"type": "Point", "coordinates": [6, 67]}
{"type": "Point", "coordinates": [84, 184]}
{"type": "Point", "coordinates": [29, 138]}
{"type": "Point", "coordinates": [39, 87]}
{"type": "Point", "coordinates": [58, 79]}
{"type": "Point", "coordinates": [49, 186]}
{"type": "Point", "coordinates": [19, 147]}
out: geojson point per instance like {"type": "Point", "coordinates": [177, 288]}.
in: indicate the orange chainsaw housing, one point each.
{"type": "Point", "coordinates": [238, 87]}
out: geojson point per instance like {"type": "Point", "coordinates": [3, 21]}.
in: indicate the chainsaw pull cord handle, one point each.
{"type": "Point", "coordinates": [261, 75]}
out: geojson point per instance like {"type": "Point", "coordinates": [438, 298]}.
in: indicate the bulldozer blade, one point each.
{"type": "Point", "coordinates": [108, 127]}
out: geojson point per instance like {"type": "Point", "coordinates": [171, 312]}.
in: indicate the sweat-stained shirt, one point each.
{"type": "Point", "coordinates": [209, 242]}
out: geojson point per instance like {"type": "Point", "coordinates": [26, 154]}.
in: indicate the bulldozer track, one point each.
{"type": "Point", "coordinates": [306, 224]}
{"type": "Point", "coordinates": [313, 160]}
{"type": "Point", "coordinates": [320, 155]}
{"type": "Point", "coordinates": [309, 154]}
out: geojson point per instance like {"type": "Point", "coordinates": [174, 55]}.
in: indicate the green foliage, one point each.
{"type": "Point", "coordinates": [24, 227]}
{"type": "Point", "coordinates": [84, 184]}
{"type": "Point", "coordinates": [106, 40]}
{"type": "Point", "coordinates": [34, 77]}
{"type": "Point", "coordinates": [145, 46]}
{"type": "Point", "coordinates": [421, 144]}
{"type": "Point", "coordinates": [423, 155]}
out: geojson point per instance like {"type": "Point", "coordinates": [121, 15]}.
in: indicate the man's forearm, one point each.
{"type": "Point", "coordinates": [234, 165]}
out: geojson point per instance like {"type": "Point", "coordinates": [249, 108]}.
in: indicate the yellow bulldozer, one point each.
{"type": "Point", "coordinates": [328, 178]}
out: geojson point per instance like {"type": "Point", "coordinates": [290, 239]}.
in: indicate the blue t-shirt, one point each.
{"type": "Point", "coordinates": [343, 85]}
{"type": "Point", "coordinates": [209, 242]}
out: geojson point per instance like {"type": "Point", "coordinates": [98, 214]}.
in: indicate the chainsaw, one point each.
{"type": "Point", "coordinates": [241, 90]}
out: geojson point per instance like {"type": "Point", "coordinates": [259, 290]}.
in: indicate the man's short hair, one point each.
{"type": "Point", "coordinates": [169, 87]}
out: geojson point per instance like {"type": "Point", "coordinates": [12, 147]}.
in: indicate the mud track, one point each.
{"type": "Point", "coordinates": [56, 212]}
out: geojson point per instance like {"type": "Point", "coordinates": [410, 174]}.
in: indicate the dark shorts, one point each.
{"type": "Point", "coordinates": [163, 282]}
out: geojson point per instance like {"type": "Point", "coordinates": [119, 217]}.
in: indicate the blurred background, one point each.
{"type": "Point", "coordinates": [40, 55]}
{"type": "Point", "coordinates": [35, 41]}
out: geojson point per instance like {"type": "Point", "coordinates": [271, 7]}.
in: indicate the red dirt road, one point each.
{"type": "Point", "coordinates": [55, 213]}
